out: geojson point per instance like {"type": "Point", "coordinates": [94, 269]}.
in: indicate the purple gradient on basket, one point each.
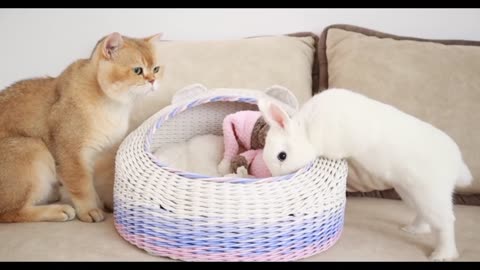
{"type": "Point", "coordinates": [194, 254]}
{"type": "Point", "coordinates": [199, 238]}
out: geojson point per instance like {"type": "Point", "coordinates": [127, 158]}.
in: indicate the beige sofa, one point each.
{"type": "Point", "coordinates": [434, 80]}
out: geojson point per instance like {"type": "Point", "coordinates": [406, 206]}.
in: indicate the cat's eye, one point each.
{"type": "Point", "coordinates": [156, 69]}
{"type": "Point", "coordinates": [138, 70]}
{"type": "Point", "coordinates": [282, 156]}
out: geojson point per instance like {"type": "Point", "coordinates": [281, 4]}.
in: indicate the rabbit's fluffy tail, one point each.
{"type": "Point", "coordinates": [465, 177]}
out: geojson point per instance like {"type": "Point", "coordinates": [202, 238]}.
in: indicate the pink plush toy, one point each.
{"type": "Point", "coordinates": [244, 135]}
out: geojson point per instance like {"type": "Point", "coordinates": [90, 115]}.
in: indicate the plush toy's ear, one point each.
{"type": "Point", "coordinates": [273, 114]}
{"type": "Point", "coordinates": [283, 94]}
{"type": "Point", "coordinates": [111, 44]}
{"type": "Point", "coordinates": [189, 92]}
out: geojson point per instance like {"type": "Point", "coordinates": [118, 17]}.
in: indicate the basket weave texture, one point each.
{"type": "Point", "coordinates": [192, 217]}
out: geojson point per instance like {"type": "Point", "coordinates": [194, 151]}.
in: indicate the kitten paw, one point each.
{"type": "Point", "coordinates": [242, 172]}
{"type": "Point", "coordinates": [58, 212]}
{"type": "Point", "coordinates": [224, 167]}
{"type": "Point", "coordinates": [68, 212]}
{"type": "Point", "coordinates": [91, 215]}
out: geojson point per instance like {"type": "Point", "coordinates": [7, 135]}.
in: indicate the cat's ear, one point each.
{"type": "Point", "coordinates": [111, 45]}
{"type": "Point", "coordinates": [154, 38]}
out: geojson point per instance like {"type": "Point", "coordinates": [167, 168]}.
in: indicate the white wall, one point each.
{"type": "Point", "coordinates": [44, 41]}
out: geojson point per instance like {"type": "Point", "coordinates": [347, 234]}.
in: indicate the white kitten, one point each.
{"type": "Point", "coordinates": [201, 154]}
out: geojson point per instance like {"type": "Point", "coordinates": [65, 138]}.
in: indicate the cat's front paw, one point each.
{"type": "Point", "coordinates": [91, 215]}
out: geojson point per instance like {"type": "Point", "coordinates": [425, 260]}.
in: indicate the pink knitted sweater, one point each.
{"type": "Point", "coordinates": [237, 132]}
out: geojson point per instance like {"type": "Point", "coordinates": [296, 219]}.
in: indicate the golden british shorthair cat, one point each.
{"type": "Point", "coordinates": [53, 128]}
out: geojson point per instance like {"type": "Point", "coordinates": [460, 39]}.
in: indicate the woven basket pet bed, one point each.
{"type": "Point", "coordinates": [187, 216]}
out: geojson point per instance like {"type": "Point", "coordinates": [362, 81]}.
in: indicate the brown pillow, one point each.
{"type": "Point", "coordinates": [435, 80]}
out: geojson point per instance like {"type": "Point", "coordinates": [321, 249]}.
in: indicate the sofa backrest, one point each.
{"type": "Point", "coordinates": [437, 81]}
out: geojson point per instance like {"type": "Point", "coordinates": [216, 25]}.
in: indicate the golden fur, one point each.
{"type": "Point", "coordinates": [52, 129]}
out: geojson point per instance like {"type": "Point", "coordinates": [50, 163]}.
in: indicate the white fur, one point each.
{"type": "Point", "coordinates": [141, 90]}
{"type": "Point", "coordinates": [201, 154]}
{"type": "Point", "coordinates": [421, 162]}
{"type": "Point", "coordinates": [46, 187]}
{"type": "Point", "coordinates": [111, 119]}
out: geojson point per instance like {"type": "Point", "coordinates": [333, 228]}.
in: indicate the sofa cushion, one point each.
{"type": "Point", "coordinates": [435, 80]}
{"type": "Point", "coordinates": [256, 62]}
{"type": "Point", "coordinates": [371, 233]}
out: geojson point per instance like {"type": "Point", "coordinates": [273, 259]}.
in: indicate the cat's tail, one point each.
{"type": "Point", "coordinates": [465, 176]}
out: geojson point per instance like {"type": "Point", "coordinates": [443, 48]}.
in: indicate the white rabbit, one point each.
{"type": "Point", "coordinates": [421, 162]}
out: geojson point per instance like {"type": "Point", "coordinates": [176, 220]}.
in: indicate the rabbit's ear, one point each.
{"type": "Point", "coordinates": [273, 114]}
{"type": "Point", "coordinates": [189, 92]}
{"type": "Point", "coordinates": [283, 94]}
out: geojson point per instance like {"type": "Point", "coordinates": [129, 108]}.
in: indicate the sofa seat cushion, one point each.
{"type": "Point", "coordinates": [371, 233]}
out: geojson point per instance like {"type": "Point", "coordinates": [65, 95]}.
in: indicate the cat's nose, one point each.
{"type": "Point", "coordinates": [151, 81]}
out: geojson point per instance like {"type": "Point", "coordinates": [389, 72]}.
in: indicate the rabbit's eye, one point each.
{"type": "Point", "coordinates": [282, 156]}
